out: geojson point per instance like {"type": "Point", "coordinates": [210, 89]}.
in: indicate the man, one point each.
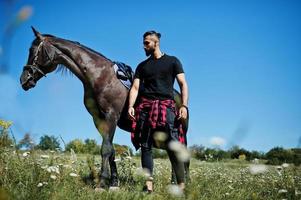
{"type": "Point", "coordinates": [155, 109]}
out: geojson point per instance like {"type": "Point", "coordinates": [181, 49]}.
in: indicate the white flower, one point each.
{"type": "Point", "coordinates": [53, 169]}
{"type": "Point", "coordinates": [40, 185]}
{"type": "Point", "coordinates": [44, 156]}
{"type": "Point", "coordinates": [174, 190]}
{"type": "Point", "coordinates": [25, 154]}
{"type": "Point", "coordinates": [279, 168]}
{"type": "Point", "coordinates": [285, 165]}
{"type": "Point", "coordinates": [67, 166]}
{"type": "Point", "coordinates": [129, 157]}
{"type": "Point", "coordinates": [282, 191]}
{"type": "Point", "coordinates": [53, 176]}
{"type": "Point", "coordinates": [73, 174]}
{"type": "Point", "coordinates": [182, 152]}
{"type": "Point", "coordinates": [257, 169]}
{"type": "Point", "coordinates": [117, 160]}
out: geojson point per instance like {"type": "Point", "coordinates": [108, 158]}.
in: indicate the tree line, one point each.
{"type": "Point", "coordinates": [275, 156]}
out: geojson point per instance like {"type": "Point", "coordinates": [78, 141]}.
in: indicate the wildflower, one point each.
{"type": "Point", "coordinates": [67, 166]}
{"type": "Point", "coordinates": [44, 167]}
{"type": "Point", "coordinates": [129, 157]}
{"type": "Point", "coordinates": [53, 176]}
{"type": "Point", "coordinates": [40, 185]}
{"type": "Point", "coordinates": [25, 13]}
{"type": "Point", "coordinates": [73, 174]}
{"type": "Point", "coordinates": [282, 191]}
{"type": "Point", "coordinates": [297, 192]}
{"type": "Point", "coordinates": [285, 165]}
{"type": "Point", "coordinates": [160, 136]}
{"type": "Point", "coordinates": [278, 168]}
{"type": "Point", "coordinates": [5, 124]}
{"type": "Point", "coordinates": [53, 169]}
{"type": "Point", "coordinates": [227, 194]}
{"type": "Point", "coordinates": [25, 154]}
{"type": "Point", "coordinates": [44, 156]}
{"type": "Point", "coordinates": [45, 183]}
{"type": "Point", "coordinates": [174, 190]}
{"type": "Point", "coordinates": [117, 160]}
{"type": "Point", "coordinates": [181, 151]}
{"type": "Point", "coordinates": [257, 169]}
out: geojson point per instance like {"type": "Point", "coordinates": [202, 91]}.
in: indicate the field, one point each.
{"type": "Point", "coordinates": [59, 175]}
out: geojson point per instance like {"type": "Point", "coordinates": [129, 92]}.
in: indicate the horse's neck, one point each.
{"type": "Point", "coordinates": [87, 65]}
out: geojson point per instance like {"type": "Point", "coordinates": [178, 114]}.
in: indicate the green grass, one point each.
{"type": "Point", "coordinates": [26, 177]}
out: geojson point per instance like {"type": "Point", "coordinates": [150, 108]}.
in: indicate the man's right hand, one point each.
{"type": "Point", "coordinates": [131, 112]}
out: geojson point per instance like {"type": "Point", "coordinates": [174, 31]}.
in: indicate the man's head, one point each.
{"type": "Point", "coordinates": [151, 42]}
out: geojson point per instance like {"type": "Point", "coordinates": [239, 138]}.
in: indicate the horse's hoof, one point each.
{"type": "Point", "coordinates": [114, 188]}
{"type": "Point", "coordinates": [99, 189]}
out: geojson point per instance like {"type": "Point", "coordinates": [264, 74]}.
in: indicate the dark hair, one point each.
{"type": "Point", "coordinates": [152, 33]}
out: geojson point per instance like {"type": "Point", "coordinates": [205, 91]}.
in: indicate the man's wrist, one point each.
{"type": "Point", "coordinates": [184, 106]}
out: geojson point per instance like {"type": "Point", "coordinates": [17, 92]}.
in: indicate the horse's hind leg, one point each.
{"type": "Point", "coordinates": [106, 125]}
{"type": "Point", "coordinates": [107, 130]}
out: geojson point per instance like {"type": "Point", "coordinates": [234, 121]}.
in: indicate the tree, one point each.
{"type": "Point", "coordinates": [27, 142]}
{"type": "Point", "coordinates": [49, 143]}
{"type": "Point", "coordinates": [77, 145]}
{"type": "Point", "coordinates": [91, 146]}
{"type": "Point", "coordinates": [197, 151]}
{"type": "Point", "coordinates": [236, 151]}
{"type": "Point", "coordinates": [279, 155]}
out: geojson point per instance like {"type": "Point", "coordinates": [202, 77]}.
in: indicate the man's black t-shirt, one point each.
{"type": "Point", "coordinates": [157, 76]}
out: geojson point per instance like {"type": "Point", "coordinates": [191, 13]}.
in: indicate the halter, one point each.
{"type": "Point", "coordinates": [34, 66]}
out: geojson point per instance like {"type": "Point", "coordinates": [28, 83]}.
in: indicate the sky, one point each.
{"type": "Point", "coordinates": [241, 60]}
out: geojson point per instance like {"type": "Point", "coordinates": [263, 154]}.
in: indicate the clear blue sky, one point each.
{"type": "Point", "coordinates": [241, 58]}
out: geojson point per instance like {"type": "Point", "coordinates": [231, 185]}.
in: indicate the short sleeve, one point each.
{"type": "Point", "coordinates": [178, 68]}
{"type": "Point", "coordinates": [137, 72]}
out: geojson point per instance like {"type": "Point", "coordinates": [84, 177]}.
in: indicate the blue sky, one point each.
{"type": "Point", "coordinates": [241, 59]}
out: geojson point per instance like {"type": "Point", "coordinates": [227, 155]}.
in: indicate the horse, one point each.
{"type": "Point", "coordinates": [105, 97]}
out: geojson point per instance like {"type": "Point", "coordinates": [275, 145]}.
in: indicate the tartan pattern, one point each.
{"type": "Point", "coordinates": [157, 110]}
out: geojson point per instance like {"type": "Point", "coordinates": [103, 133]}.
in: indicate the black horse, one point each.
{"type": "Point", "coordinates": [105, 97]}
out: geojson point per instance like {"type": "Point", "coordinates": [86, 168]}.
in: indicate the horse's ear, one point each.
{"type": "Point", "coordinates": [36, 33]}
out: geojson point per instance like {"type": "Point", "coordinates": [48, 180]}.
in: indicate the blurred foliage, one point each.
{"type": "Point", "coordinates": [49, 143]}
{"type": "Point", "coordinates": [5, 138]}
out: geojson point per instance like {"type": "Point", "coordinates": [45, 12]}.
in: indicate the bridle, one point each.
{"type": "Point", "coordinates": [34, 66]}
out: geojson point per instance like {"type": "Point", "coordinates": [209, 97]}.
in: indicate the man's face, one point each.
{"type": "Point", "coordinates": [150, 43]}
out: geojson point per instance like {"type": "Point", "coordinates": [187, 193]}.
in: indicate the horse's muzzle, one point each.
{"type": "Point", "coordinates": [27, 81]}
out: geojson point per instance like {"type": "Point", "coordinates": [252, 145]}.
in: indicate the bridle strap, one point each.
{"type": "Point", "coordinates": [34, 66]}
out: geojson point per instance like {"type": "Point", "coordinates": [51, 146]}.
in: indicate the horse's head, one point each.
{"type": "Point", "coordinates": [41, 60]}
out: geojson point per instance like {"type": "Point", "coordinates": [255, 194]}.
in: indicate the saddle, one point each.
{"type": "Point", "coordinates": [124, 73]}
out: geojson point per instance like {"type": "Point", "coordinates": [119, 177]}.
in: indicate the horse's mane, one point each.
{"type": "Point", "coordinates": [61, 68]}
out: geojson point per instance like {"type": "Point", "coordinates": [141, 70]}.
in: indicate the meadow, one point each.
{"type": "Point", "coordinates": [59, 175]}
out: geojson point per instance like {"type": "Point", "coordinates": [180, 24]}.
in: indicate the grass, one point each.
{"type": "Point", "coordinates": [58, 175]}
